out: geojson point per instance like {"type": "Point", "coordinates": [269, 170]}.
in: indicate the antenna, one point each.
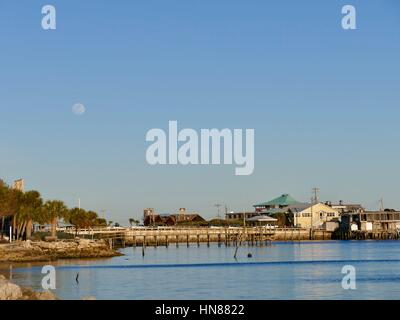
{"type": "Point", "coordinates": [218, 207]}
{"type": "Point", "coordinates": [316, 196]}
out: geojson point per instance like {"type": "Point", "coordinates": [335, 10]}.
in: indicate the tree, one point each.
{"type": "Point", "coordinates": [10, 199]}
{"type": "Point", "coordinates": [82, 219]}
{"type": "Point", "coordinates": [76, 217]}
{"type": "Point", "coordinates": [54, 210]}
{"type": "Point", "coordinates": [101, 222]}
{"type": "Point", "coordinates": [133, 222]}
{"type": "Point", "coordinates": [29, 210]}
{"type": "Point", "coordinates": [90, 219]}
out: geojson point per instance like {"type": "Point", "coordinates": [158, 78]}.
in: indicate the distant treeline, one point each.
{"type": "Point", "coordinates": [27, 208]}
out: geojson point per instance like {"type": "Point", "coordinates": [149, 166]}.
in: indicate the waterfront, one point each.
{"type": "Point", "coordinates": [285, 270]}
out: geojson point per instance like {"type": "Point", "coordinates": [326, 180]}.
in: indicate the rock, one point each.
{"type": "Point", "coordinates": [27, 244]}
{"type": "Point", "coordinates": [45, 251]}
{"type": "Point", "coordinates": [9, 291]}
{"type": "Point", "coordinates": [46, 295]}
{"type": "Point", "coordinates": [50, 239]}
{"type": "Point", "coordinates": [85, 243]}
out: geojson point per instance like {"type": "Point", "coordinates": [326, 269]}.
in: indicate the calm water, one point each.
{"type": "Point", "coordinates": [307, 270]}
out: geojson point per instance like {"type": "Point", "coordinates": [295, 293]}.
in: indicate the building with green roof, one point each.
{"type": "Point", "coordinates": [283, 201]}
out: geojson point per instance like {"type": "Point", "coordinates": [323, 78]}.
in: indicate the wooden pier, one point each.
{"type": "Point", "coordinates": [190, 236]}
{"type": "Point", "coordinates": [223, 236]}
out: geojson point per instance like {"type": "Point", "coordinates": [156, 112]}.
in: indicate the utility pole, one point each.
{"type": "Point", "coordinates": [218, 206]}
{"type": "Point", "coordinates": [314, 200]}
{"type": "Point", "coordinates": [244, 226]}
{"type": "Point", "coordinates": [311, 218]}
{"type": "Point", "coordinates": [316, 195]}
{"type": "Point", "coordinates": [382, 206]}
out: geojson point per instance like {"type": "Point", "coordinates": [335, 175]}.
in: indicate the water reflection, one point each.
{"type": "Point", "coordinates": [306, 270]}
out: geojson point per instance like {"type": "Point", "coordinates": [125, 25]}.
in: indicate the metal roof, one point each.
{"type": "Point", "coordinates": [283, 200]}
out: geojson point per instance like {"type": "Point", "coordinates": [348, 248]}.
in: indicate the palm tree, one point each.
{"type": "Point", "coordinates": [90, 219]}
{"type": "Point", "coordinates": [76, 217]}
{"type": "Point", "coordinates": [30, 210]}
{"type": "Point", "coordinates": [54, 210]}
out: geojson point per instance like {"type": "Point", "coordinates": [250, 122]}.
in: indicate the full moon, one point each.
{"type": "Point", "coordinates": [78, 109]}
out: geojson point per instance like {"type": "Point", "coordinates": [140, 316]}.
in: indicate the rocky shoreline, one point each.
{"type": "Point", "coordinates": [11, 291]}
{"type": "Point", "coordinates": [38, 251]}
{"type": "Point", "coordinates": [41, 251]}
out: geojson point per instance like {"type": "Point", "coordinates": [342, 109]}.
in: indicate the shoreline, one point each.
{"type": "Point", "coordinates": [40, 251]}
{"type": "Point", "coordinates": [12, 291]}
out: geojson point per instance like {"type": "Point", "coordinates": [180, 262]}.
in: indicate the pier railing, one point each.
{"type": "Point", "coordinates": [222, 235]}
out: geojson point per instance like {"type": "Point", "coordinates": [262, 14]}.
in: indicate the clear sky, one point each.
{"type": "Point", "coordinates": [324, 102]}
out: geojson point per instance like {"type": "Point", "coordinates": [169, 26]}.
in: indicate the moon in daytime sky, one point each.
{"type": "Point", "coordinates": [78, 109]}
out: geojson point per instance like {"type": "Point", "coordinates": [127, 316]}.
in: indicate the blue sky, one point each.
{"type": "Point", "coordinates": [324, 102]}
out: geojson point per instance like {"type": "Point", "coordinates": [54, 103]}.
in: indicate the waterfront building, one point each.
{"type": "Point", "coordinates": [345, 207]}
{"type": "Point", "coordinates": [240, 215]}
{"type": "Point", "coordinates": [283, 201]}
{"type": "Point", "coordinates": [370, 221]}
{"type": "Point", "coordinates": [315, 216]}
{"type": "Point", "coordinates": [261, 220]}
{"type": "Point", "coordinates": [181, 217]}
